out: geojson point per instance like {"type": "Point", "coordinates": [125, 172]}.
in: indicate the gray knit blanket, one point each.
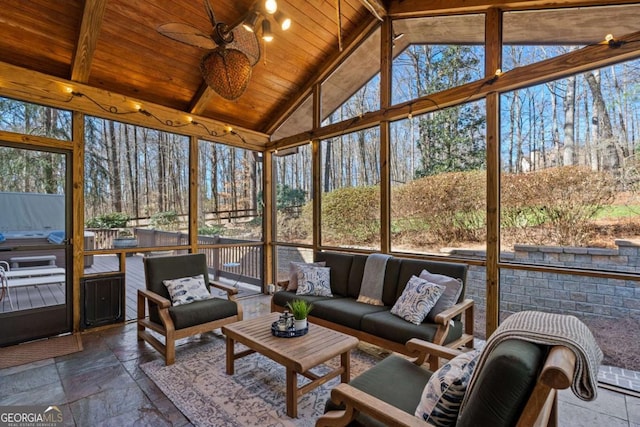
{"type": "Point", "coordinates": [373, 279]}
{"type": "Point", "coordinates": [551, 329]}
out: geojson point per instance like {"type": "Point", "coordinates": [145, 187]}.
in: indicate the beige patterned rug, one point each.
{"type": "Point", "coordinates": [254, 396]}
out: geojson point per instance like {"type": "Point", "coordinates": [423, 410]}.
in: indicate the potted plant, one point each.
{"type": "Point", "coordinates": [300, 310]}
{"type": "Point", "coordinates": [125, 239]}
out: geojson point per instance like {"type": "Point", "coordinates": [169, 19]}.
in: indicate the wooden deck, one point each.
{"type": "Point", "coordinates": [37, 296]}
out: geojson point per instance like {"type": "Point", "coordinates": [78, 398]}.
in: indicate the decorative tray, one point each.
{"type": "Point", "coordinates": [290, 333]}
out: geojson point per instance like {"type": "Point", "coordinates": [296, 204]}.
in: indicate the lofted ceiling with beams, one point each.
{"type": "Point", "coordinates": [114, 45]}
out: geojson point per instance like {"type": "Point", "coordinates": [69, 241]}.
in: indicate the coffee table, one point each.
{"type": "Point", "coordinates": [298, 355]}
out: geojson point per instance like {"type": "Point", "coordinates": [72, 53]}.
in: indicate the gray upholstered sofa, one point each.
{"type": "Point", "coordinates": [375, 324]}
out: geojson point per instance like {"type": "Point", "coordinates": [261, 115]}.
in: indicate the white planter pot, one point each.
{"type": "Point", "coordinates": [300, 324]}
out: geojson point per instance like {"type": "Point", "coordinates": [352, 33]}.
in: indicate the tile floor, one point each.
{"type": "Point", "coordinates": [103, 385]}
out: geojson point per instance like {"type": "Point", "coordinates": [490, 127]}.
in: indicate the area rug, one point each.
{"type": "Point", "coordinates": [254, 396]}
{"type": "Point", "coordinates": [39, 350]}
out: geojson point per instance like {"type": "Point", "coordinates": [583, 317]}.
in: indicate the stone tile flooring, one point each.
{"type": "Point", "coordinates": [104, 386]}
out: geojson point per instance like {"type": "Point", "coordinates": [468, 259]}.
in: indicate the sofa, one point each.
{"type": "Point", "coordinates": [375, 324]}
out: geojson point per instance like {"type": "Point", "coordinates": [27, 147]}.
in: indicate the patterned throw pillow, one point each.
{"type": "Point", "coordinates": [417, 299]}
{"type": "Point", "coordinates": [453, 288]}
{"type": "Point", "coordinates": [442, 396]}
{"type": "Point", "coordinates": [187, 289]}
{"type": "Point", "coordinates": [314, 280]}
{"type": "Point", "coordinates": [293, 272]}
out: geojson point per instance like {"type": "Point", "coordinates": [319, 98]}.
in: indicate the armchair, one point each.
{"type": "Point", "coordinates": [175, 322]}
{"type": "Point", "coordinates": [517, 387]}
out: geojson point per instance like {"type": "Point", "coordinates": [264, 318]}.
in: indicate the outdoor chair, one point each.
{"type": "Point", "coordinates": [514, 382]}
{"type": "Point", "coordinates": [179, 321]}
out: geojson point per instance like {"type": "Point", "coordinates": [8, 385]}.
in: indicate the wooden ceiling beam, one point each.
{"type": "Point", "coordinates": [582, 60]}
{"type": "Point", "coordinates": [92, 18]}
{"type": "Point", "coordinates": [376, 7]}
{"type": "Point", "coordinates": [359, 35]}
{"type": "Point", "coordinates": [32, 86]}
{"type": "Point", "coordinates": [201, 99]}
{"type": "Point", "coordinates": [417, 8]}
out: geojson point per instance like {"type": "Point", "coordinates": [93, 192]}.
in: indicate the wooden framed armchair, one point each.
{"type": "Point", "coordinates": [517, 387]}
{"type": "Point", "coordinates": [175, 322]}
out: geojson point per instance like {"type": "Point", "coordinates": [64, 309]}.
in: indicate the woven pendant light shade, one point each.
{"type": "Point", "coordinates": [226, 71]}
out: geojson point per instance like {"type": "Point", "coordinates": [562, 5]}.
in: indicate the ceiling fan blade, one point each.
{"type": "Point", "coordinates": [209, 9]}
{"type": "Point", "coordinates": [187, 34]}
{"type": "Point", "coordinates": [246, 42]}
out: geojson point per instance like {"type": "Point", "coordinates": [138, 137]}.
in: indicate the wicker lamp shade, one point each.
{"type": "Point", "coordinates": [226, 71]}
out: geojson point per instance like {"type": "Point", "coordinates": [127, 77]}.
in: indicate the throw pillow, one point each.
{"type": "Point", "coordinates": [187, 289]}
{"type": "Point", "coordinates": [453, 288]}
{"type": "Point", "coordinates": [293, 272]}
{"type": "Point", "coordinates": [443, 394]}
{"type": "Point", "coordinates": [417, 299]}
{"type": "Point", "coordinates": [314, 280]}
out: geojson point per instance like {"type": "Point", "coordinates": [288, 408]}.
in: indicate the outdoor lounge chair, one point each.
{"type": "Point", "coordinates": [514, 383]}
{"type": "Point", "coordinates": [180, 321]}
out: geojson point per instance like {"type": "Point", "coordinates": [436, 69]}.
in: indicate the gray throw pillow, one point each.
{"type": "Point", "coordinates": [417, 299]}
{"type": "Point", "coordinates": [186, 290]}
{"type": "Point", "coordinates": [314, 280]}
{"type": "Point", "coordinates": [293, 272]}
{"type": "Point", "coordinates": [453, 288]}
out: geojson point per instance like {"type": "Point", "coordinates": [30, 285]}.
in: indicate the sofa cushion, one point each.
{"type": "Point", "coordinates": [186, 290]}
{"type": "Point", "coordinates": [417, 300]}
{"type": "Point", "coordinates": [511, 372]}
{"type": "Point", "coordinates": [313, 280]}
{"type": "Point", "coordinates": [344, 311]}
{"type": "Point", "coordinates": [393, 380]}
{"type": "Point", "coordinates": [453, 288]}
{"type": "Point", "coordinates": [413, 267]}
{"type": "Point", "coordinates": [385, 325]}
{"type": "Point", "coordinates": [281, 298]}
{"type": "Point", "coordinates": [443, 394]}
{"type": "Point", "coordinates": [340, 265]}
{"type": "Point", "coordinates": [199, 312]}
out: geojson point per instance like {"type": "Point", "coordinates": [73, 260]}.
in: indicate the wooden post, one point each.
{"type": "Point", "coordinates": [77, 200]}
{"type": "Point", "coordinates": [386, 59]}
{"type": "Point", "coordinates": [493, 55]}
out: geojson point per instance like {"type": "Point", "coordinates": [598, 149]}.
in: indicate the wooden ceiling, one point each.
{"type": "Point", "coordinates": [113, 48]}
{"type": "Point", "coordinates": [131, 58]}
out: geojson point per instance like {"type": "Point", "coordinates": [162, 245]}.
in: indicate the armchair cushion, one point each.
{"type": "Point", "coordinates": [450, 295]}
{"type": "Point", "coordinates": [199, 312]}
{"type": "Point", "coordinates": [417, 300]}
{"type": "Point", "coordinates": [442, 396]}
{"type": "Point", "coordinates": [186, 290]}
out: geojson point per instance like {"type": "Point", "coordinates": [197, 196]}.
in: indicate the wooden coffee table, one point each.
{"type": "Point", "coordinates": [298, 355]}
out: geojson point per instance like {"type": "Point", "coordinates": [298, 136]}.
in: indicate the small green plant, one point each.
{"type": "Point", "coordinates": [210, 230]}
{"type": "Point", "coordinates": [167, 220]}
{"type": "Point", "coordinates": [299, 308]}
{"type": "Point", "coordinates": [109, 220]}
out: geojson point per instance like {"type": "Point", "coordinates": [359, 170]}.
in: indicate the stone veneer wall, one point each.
{"type": "Point", "coordinates": [581, 296]}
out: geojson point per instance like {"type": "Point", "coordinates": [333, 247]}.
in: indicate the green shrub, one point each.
{"type": "Point", "coordinates": [351, 215]}
{"type": "Point", "coordinates": [110, 220]}
{"type": "Point", "coordinates": [562, 201]}
{"type": "Point", "coordinates": [167, 220]}
{"type": "Point", "coordinates": [210, 230]}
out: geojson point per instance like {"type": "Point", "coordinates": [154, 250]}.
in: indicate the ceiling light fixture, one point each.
{"type": "Point", "coordinates": [251, 21]}
{"type": "Point", "coordinates": [267, 35]}
{"type": "Point", "coordinates": [270, 6]}
{"type": "Point", "coordinates": [283, 21]}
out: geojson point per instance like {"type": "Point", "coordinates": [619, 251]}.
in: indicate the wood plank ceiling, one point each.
{"type": "Point", "coordinates": [132, 59]}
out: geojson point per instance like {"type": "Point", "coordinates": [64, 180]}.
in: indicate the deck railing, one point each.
{"type": "Point", "coordinates": [236, 262]}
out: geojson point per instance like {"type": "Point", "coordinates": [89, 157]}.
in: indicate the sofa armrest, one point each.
{"type": "Point", "coordinates": [230, 290]}
{"type": "Point", "coordinates": [357, 401]}
{"type": "Point", "coordinates": [444, 317]}
{"type": "Point", "coordinates": [161, 301]}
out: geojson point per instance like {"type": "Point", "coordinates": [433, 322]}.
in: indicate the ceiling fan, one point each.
{"type": "Point", "coordinates": [226, 68]}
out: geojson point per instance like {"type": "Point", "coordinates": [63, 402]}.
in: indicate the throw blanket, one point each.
{"type": "Point", "coordinates": [551, 329]}
{"type": "Point", "coordinates": [373, 279]}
